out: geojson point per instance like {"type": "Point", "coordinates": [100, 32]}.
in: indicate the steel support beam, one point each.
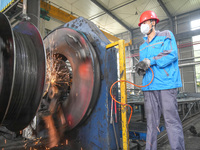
{"type": "Point", "coordinates": [113, 9]}
{"type": "Point", "coordinates": [187, 34]}
{"type": "Point", "coordinates": [33, 11]}
{"type": "Point", "coordinates": [168, 14]}
{"type": "Point", "coordinates": [111, 14]}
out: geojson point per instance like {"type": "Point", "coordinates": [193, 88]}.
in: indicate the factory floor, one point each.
{"type": "Point", "coordinates": [191, 129]}
{"type": "Point", "coordinates": [192, 141]}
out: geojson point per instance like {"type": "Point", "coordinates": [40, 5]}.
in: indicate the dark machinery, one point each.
{"type": "Point", "coordinates": [81, 47]}
{"type": "Point", "coordinates": [79, 72]}
{"type": "Point", "coordinates": [72, 63]}
{"type": "Point", "coordinates": [22, 73]}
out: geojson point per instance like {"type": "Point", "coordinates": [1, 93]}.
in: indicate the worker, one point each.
{"type": "Point", "coordinates": [159, 51]}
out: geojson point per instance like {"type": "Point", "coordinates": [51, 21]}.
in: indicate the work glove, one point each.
{"type": "Point", "coordinates": [142, 66]}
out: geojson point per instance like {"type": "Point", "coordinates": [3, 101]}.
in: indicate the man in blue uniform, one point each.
{"type": "Point", "coordinates": [159, 51]}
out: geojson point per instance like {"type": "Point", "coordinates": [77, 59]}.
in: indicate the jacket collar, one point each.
{"type": "Point", "coordinates": [146, 38]}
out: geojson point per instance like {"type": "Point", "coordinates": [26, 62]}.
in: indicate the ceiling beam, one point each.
{"type": "Point", "coordinates": [111, 14]}
{"type": "Point", "coordinates": [64, 17]}
{"type": "Point", "coordinates": [167, 12]}
{"type": "Point", "coordinates": [115, 8]}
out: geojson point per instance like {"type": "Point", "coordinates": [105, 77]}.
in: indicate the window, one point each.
{"type": "Point", "coordinates": [196, 47]}
{"type": "Point", "coordinates": [195, 24]}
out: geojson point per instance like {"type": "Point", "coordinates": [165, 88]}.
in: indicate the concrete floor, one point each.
{"type": "Point", "coordinates": [192, 141]}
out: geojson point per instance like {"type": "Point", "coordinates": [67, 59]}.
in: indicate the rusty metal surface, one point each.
{"type": "Point", "coordinates": [73, 48]}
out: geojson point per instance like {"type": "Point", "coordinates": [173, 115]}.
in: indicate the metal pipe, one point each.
{"type": "Point", "coordinates": [176, 25]}
{"type": "Point", "coordinates": [189, 64]}
{"type": "Point", "coordinates": [188, 112]}
{"type": "Point", "coordinates": [115, 135]}
{"type": "Point", "coordinates": [188, 58]}
{"type": "Point", "coordinates": [123, 88]}
{"type": "Point", "coordinates": [24, 9]}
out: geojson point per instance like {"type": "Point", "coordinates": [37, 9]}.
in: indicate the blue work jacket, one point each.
{"type": "Point", "coordinates": [163, 54]}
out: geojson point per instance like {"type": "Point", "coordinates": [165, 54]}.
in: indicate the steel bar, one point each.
{"type": "Point", "coordinates": [189, 64]}
{"type": "Point", "coordinates": [122, 63]}
{"type": "Point", "coordinates": [189, 111]}
{"type": "Point", "coordinates": [167, 12]}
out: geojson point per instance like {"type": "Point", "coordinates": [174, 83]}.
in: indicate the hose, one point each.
{"type": "Point", "coordinates": [132, 84]}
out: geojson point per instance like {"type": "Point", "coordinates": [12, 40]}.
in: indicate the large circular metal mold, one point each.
{"type": "Point", "coordinates": [24, 76]}
{"type": "Point", "coordinates": [7, 61]}
{"type": "Point", "coordinates": [84, 71]}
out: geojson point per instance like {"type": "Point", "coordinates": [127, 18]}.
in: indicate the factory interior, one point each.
{"type": "Point", "coordinates": [69, 77]}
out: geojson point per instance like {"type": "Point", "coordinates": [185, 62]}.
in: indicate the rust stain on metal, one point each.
{"type": "Point", "coordinates": [121, 74]}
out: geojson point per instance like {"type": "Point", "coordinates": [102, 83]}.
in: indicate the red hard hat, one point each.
{"type": "Point", "coordinates": [147, 15]}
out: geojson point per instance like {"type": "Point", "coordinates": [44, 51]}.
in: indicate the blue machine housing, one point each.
{"type": "Point", "coordinates": [96, 132]}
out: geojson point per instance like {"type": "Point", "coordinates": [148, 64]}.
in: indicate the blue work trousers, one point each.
{"type": "Point", "coordinates": [163, 101]}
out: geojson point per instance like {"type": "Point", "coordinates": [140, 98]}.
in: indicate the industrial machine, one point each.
{"type": "Point", "coordinates": [22, 73]}
{"type": "Point", "coordinates": [72, 89]}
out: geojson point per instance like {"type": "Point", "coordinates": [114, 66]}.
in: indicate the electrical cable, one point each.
{"type": "Point", "coordinates": [132, 84]}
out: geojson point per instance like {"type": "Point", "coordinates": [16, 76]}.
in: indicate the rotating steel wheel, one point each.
{"type": "Point", "coordinates": [22, 76]}
{"type": "Point", "coordinates": [79, 57]}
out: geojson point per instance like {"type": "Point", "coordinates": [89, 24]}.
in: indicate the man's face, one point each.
{"type": "Point", "coordinates": [149, 23]}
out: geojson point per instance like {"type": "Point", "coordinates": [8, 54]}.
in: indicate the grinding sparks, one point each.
{"type": "Point", "coordinates": [53, 135]}
{"type": "Point", "coordinates": [57, 71]}
{"type": "Point", "coordinates": [66, 142]}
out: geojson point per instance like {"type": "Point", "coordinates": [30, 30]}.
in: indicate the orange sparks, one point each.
{"type": "Point", "coordinates": [53, 135]}
{"type": "Point", "coordinates": [66, 142]}
{"type": "Point", "coordinates": [62, 117]}
{"type": "Point", "coordinates": [36, 142]}
{"type": "Point", "coordinates": [55, 73]}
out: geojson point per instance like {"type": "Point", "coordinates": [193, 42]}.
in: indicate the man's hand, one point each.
{"type": "Point", "coordinates": [142, 66]}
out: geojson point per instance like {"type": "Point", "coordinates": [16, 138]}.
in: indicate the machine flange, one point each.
{"type": "Point", "coordinates": [73, 47]}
